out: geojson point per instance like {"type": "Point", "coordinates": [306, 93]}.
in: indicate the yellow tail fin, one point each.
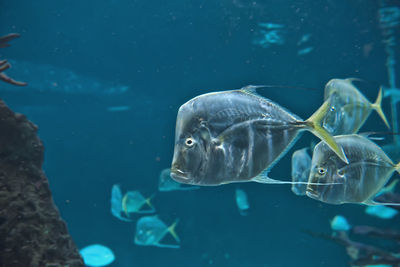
{"type": "Point", "coordinates": [378, 108]}
{"type": "Point", "coordinates": [397, 167]}
{"type": "Point", "coordinates": [148, 201]}
{"type": "Point", "coordinates": [171, 229]}
{"type": "Point", "coordinates": [124, 204]}
{"type": "Point", "coordinates": [314, 125]}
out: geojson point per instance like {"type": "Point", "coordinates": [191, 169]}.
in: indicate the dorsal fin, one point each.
{"type": "Point", "coordinates": [252, 89]}
{"type": "Point", "coordinates": [352, 80]}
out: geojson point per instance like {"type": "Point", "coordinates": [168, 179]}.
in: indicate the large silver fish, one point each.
{"type": "Point", "coordinates": [237, 136]}
{"type": "Point", "coordinates": [349, 108]}
{"type": "Point", "coordinates": [359, 181]}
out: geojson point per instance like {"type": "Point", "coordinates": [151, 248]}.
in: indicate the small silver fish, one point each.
{"type": "Point", "coordinates": [301, 164]}
{"type": "Point", "coordinates": [237, 136]}
{"type": "Point", "coordinates": [241, 201]}
{"type": "Point", "coordinates": [134, 201]}
{"type": "Point", "coordinates": [359, 181]}
{"type": "Point", "coordinates": [116, 203]}
{"type": "Point", "coordinates": [166, 183]}
{"type": "Point", "coordinates": [150, 230]}
{"type": "Point", "coordinates": [349, 108]}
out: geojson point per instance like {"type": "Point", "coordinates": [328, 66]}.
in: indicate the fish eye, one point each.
{"type": "Point", "coordinates": [340, 172]}
{"type": "Point", "coordinates": [189, 142]}
{"type": "Point", "coordinates": [321, 171]}
{"type": "Point", "coordinates": [333, 108]}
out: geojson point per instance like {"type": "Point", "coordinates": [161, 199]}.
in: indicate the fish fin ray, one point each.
{"type": "Point", "coordinates": [264, 179]}
{"type": "Point", "coordinates": [124, 206]}
{"type": "Point", "coordinates": [171, 229]}
{"type": "Point", "coordinates": [378, 108]}
{"type": "Point", "coordinates": [352, 80]}
{"type": "Point", "coordinates": [397, 167]}
{"type": "Point", "coordinates": [370, 202]}
{"type": "Point", "coordinates": [252, 89]}
{"type": "Point", "coordinates": [148, 201]}
{"type": "Point", "coordinates": [313, 124]}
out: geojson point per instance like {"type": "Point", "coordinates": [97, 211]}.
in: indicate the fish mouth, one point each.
{"type": "Point", "coordinates": [178, 174]}
{"type": "Point", "coordinates": [312, 194]}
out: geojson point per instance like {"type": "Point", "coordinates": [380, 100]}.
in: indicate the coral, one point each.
{"type": "Point", "coordinates": [4, 65]}
{"type": "Point", "coordinates": [32, 232]}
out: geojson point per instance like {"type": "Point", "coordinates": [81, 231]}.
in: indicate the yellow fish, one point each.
{"type": "Point", "coordinates": [349, 108]}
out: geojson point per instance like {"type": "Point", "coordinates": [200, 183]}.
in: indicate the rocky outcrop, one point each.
{"type": "Point", "coordinates": [32, 232]}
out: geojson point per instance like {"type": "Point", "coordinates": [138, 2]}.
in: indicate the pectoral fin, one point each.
{"type": "Point", "coordinates": [264, 179]}
{"type": "Point", "coordinates": [370, 202]}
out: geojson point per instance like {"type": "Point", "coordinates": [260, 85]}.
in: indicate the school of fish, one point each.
{"type": "Point", "coordinates": [238, 136]}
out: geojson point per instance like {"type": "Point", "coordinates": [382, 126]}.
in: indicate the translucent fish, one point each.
{"type": "Point", "coordinates": [116, 203]}
{"type": "Point", "coordinates": [305, 51]}
{"type": "Point", "coordinates": [265, 38]}
{"type": "Point", "coordinates": [339, 223]}
{"type": "Point", "coordinates": [381, 212]}
{"type": "Point", "coordinates": [150, 231]}
{"type": "Point", "coordinates": [166, 183]}
{"type": "Point", "coordinates": [301, 164]}
{"type": "Point", "coordinates": [237, 136]}
{"type": "Point", "coordinates": [97, 255]}
{"type": "Point", "coordinates": [134, 202]}
{"type": "Point", "coordinates": [304, 39]}
{"type": "Point", "coordinates": [242, 201]}
{"type": "Point", "coordinates": [359, 181]}
{"type": "Point", "coordinates": [349, 109]}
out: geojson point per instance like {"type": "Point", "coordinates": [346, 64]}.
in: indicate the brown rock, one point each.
{"type": "Point", "coordinates": [32, 232]}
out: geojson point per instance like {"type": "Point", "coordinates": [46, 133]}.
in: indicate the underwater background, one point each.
{"type": "Point", "coordinates": [160, 54]}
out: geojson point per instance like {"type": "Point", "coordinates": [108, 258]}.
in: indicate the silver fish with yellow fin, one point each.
{"type": "Point", "coordinates": [237, 136]}
{"type": "Point", "coordinates": [360, 181]}
{"type": "Point", "coordinates": [150, 231]}
{"type": "Point", "coordinates": [349, 108]}
{"type": "Point", "coordinates": [134, 201]}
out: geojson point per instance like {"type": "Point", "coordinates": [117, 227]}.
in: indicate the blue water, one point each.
{"type": "Point", "coordinates": [168, 52]}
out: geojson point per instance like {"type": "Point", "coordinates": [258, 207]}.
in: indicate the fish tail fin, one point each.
{"type": "Point", "coordinates": [390, 187]}
{"type": "Point", "coordinates": [313, 124]}
{"type": "Point", "coordinates": [397, 166]}
{"type": "Point", "coordinates": [377, 106]}
{"type": "Point", "coordinates": [124, 205]}
{"type": "Point", "coordinates": [148, 201]}
{"type": "Point", "coordinates": [171, 229]}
